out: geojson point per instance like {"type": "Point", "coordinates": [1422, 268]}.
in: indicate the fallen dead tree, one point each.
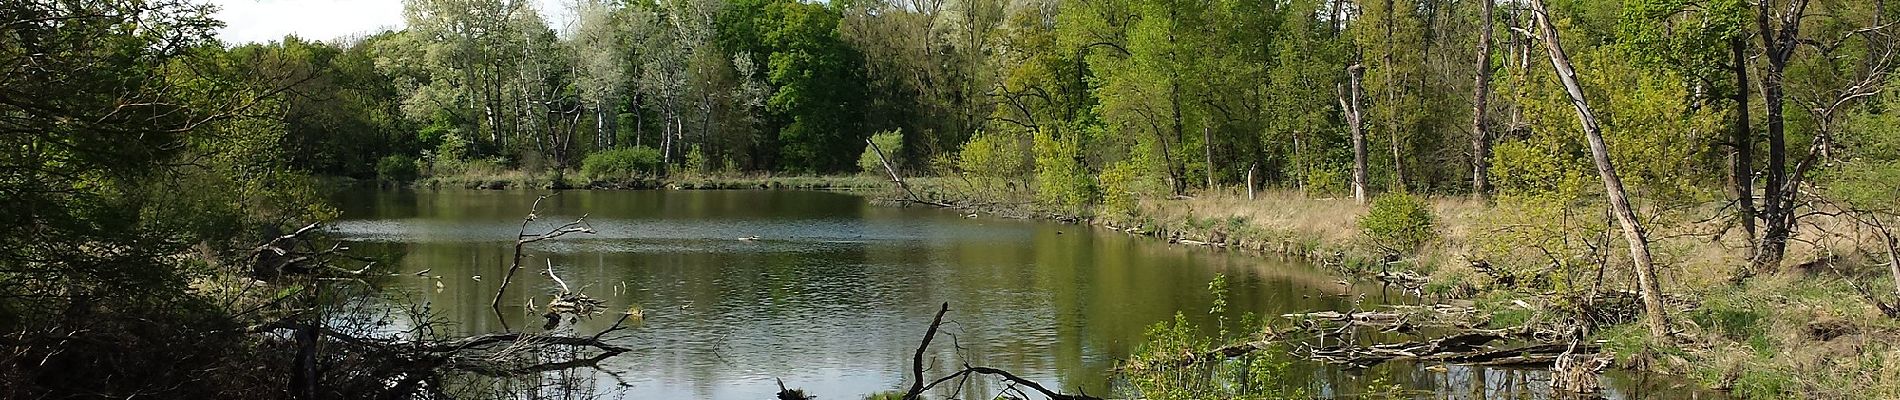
{"type": "Point", "coordinates": [1400, 318]}
{"type": "Point", "coordinates": [963, 375]}
{"type": "Point", "coordinates": [1469, 348]}
{"type": "Point", "coordinates": [362, 356]}
{"type": "Point", "coordinates": [1217, 354]}
{"type": "Point", "coordinates": [523, 238]}
{"type": "Point", "coordinates": [1331, 337]}
{"type": "Point", "coordinates": [413, 365]}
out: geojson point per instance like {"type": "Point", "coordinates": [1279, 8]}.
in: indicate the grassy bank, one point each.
{"type": "Point", "coordinates": [518, 179]}
{"type": "Point", "coordinates": [1801, 331]}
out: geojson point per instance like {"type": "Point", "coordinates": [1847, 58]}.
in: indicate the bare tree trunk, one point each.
{"type": "Point", "coordinates": [1741, 151]}
{"type": "Point", "coordinates": [1392, 89]}
{"type": "Point", "coordinates": [1349, 101]}
{"type": "Point", "coordinates": [1657, 320]}
{"type": "Point", "coordinates": [303, 379]}
{"type": "Point", "coordinates": [1893, 250]}
{"type": "Point", "coordinates": [666, 138]}
{"type": "Point", "coordinates": [1174, 107]}
{"type": "Point", "coordinates": [1480, 104]}
{"type": "Point", "coordinates": [1299, 161]}
{"type": "Point", "coordinates": [895, 178]}
{"type": "Point", "coordinates": [639, 120]}
{"type": "Point", "coordinates": [1250, 181]}
{"type": "Point", "coordinates": [1207, 136]}
{"type": "Point", "coordinates": [1779, 45]}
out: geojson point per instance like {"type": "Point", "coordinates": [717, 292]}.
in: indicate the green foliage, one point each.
{"type": "Point", "coordinates": [1165, 340]}
{"type": "Point", "coordinates": [886, 395]}
{"type": "Point", "coordinates": [396, 168]}
{"type": "Point", "coordinates": [451, 147]}
{"type": "Point", "coordinates": [816, 77]}
{"type": "Point", "coordinates": [1062, 181]}
{"type": "Point", "coordinates": [696, 161]}
{"type": "Point", "coordinates": [1399, 223]}
{"type": "Point", "coordinates": [1264, 374]}
{"type": "Point", "coordinates": [992, 157]}
{"type": "Point", "coordinates": [1329, 180]}
{"type": "Point", "coordinates": [633, 162]}
{"type": "Point", "coordinates": [1118, 191]}
{"type": "Point", "coordinates": [1870, 175]}
{"type": "Point", "coordinates": [892, 144]}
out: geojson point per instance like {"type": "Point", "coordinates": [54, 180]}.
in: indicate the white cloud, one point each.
{"type": "Point", "coordinates": [248, 21]}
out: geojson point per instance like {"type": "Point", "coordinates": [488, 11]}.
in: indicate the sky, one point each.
{"type": "Point", "coordinates": [249, 21]}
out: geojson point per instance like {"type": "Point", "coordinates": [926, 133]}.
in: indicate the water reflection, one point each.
{"type": "Point", "coordinates": [835, 292]}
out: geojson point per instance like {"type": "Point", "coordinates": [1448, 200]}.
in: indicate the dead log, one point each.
{"type": "Point", "coordinates": [1577, 372]}
{"type": "Point", "coordinates": [1399, 317]}
{"type": "Point", "coordinates": [1535, 355]}
{"type": "Point", "coordinates": [918, 386]}
{"type": "Point", "coordinates": [1266, 341]}
{"type": "Point", "coordinates": [1367, 356]}
{"type": "Point", "coordinates": [522, 238]}
{"type": "Point", "coordinates": [568, 303]}
{"type": "Point", "coordinates": [895, 178]}
{"type": "Point", "coordinates": [790, 394]}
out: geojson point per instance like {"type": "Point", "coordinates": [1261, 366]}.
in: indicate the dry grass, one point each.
{"type": "Point", "coordinates": [1329, 220]}
{"type": "Point", "coordinates": [1800, 330]}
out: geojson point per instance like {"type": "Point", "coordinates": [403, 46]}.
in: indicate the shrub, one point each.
{"type": "Point", "coordinates": [1061, 179]}
{"type": "Point", "coordinates": [396, 167]}
{"type": "Point", "coordinates": [1328, 180]}
{"type": "Point", "coordinates": [891, 142]}
{"type": "Point", "coordinates": [1398, 223]}
{"type": "Point", "coordinates": [696, 161]}
{"type": "Point", "coordinates": [991, 156]}
{"type": "Point", "coordinates": [621, 163]}
{"type": "Point", "coordinates": [1118, 190]}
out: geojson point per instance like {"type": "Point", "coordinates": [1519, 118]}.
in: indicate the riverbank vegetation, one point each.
{"type": "Point", "coordinates": [1731, 165]}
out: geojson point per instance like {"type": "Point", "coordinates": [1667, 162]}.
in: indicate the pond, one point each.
{"type": "Point", "coordinates": [832, 292]}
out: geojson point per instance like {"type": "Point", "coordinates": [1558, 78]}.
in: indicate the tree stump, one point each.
{"type": "Point", "coordinates": [1577, 373]}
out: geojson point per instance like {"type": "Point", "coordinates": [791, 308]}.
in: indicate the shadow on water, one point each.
{"type": "Point", "coordinates": [834, 292]}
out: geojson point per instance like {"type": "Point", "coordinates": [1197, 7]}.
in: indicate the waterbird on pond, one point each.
{"type": "Point", "coordinates": [423, 272]}
{"type": "Point", "coordinates": [478, 278]}
{"type": "Point", "coordinates": [749, 238]}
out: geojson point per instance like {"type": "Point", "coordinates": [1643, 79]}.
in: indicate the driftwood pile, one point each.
{"type": "Point", "coordinates": [1332, 337]}
{"type": "Point", "coordinates": [1469, 348]}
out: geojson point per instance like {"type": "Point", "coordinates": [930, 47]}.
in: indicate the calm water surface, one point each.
{"type": "Point", "coordinates": [836, 292]}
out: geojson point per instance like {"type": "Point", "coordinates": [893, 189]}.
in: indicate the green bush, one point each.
{"type": "Point", "coordinates": [696, 161]}
{"type": "Point", "coordinates": [891, 142]}
{"type": "Point", "coordinates": [1398, 223]}
{"type": "Point", "coordinates": [1118, 190]}
{"type": "Point", "coordinates": [1328, 180]}
{"type": "Point", "coordinates": [396, 167]}
{"type": "Point", "coordinates": [1061, 179]}
{"type": "Point", "coordinates": [621, 163]}
{"type": "Point", "coordinates": [992, 158]}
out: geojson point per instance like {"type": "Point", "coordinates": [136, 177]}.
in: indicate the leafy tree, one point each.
{"type": "Point", "coordinates": [110, 108]}
{"type": "Point", "coordinates": [890, 143]}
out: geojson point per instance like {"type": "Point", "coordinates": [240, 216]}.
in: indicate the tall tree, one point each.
{"type": "Point", "coordinates": [1480, 104]}
{"type": "Point", "coordinates": [1638, 240]}
{"type": "Point", "coordinates": [1355, 121]}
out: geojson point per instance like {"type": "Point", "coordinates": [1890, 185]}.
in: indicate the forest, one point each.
{"type": "Point", "coordinates": [1728, 153]}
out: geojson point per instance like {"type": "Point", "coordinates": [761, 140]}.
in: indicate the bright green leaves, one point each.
{"type": "Point", "coordinates": [889, 144]}
{"type": "Point", "coordinates": [1399, 223]}
{"type": "Point", "coordinates": [816, 78]}
{"type": "Point", "coordinates": [991, 158]}
{"type": "Point", "coordinates": [1868, 178]}
{"type": "Point", "coordinates": [1062, 178]}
